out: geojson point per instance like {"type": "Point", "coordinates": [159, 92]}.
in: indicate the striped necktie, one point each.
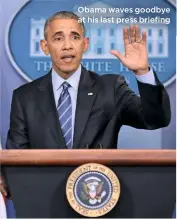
{"type": "Point", "coordinates": [64, 110]}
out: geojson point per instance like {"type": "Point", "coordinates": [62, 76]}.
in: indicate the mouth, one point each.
{"type": "Point", "coordinates": [68, 58]}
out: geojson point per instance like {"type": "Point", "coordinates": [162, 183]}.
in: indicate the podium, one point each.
{"type": "Point", "coordinates": [37, 181]}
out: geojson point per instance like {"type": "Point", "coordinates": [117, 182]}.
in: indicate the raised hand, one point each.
{"type": "Point", "coordinates": [136, 55]}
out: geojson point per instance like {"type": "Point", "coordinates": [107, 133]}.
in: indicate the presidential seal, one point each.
{"type": "Point", "coordinates": [93, 190]}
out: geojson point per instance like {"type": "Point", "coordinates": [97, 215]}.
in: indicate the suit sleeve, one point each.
{"type": "Point", "coordinates": [17, 137]}
{"type": "Point", "coordinates": [150, 110]}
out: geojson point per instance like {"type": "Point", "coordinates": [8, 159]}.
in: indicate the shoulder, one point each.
{"type": "Point", "coordinates": [107, 78]}
{"type": "Point", "coordinates": [31, 86]}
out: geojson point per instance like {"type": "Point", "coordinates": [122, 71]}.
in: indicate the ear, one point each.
{"type": "Point", "coordinates": [44, 47]}
{"type": "Point", "coordinates": [86, 44]}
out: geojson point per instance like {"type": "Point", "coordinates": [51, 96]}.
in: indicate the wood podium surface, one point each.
{"type": "Point", "coordinates": [78, 157]}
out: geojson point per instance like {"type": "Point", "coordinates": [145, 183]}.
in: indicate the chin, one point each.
{"type": "Point", "coordinates": [69, 69]}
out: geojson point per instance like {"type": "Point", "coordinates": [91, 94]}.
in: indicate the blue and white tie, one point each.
{"type": "Point", "coordinates": [65, 114]}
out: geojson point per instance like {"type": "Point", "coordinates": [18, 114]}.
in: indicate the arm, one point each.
{"type": "Point", "coordinates": [152, 109]}
{"type": "Point", "coordinates": [17, 137]}
{"type": "Point", "coordinates": [149, 111]}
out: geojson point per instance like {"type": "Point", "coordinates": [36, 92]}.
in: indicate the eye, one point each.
{"type": "Point", "coordinates": [58, 39]}
{"type": "Point", "coordinates": [75, 37]}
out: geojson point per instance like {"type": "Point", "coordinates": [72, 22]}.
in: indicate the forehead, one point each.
{"type": "Point", "coordinates": [64, 25]}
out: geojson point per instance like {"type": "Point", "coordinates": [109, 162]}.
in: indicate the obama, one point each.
{"type": "Point", "coordinates": [73, 108]}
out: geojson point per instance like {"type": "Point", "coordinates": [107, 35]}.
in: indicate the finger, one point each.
{"type": "Point", "coordinates": [132, 33]}
{"type": "Point", "coordinates": [118, 55]}
{"type": "Point", "coordinates": [144, 37]}
{"type": "Point", "coordinates": [2, 182]}
{"type": "Point", "coordinates": [8, 196]}
{"type": "Point", "coordinates": [137, 33]}
{"type": "Point", "coordinates": [125, 36]}
{"type": "Point", "coordinates": [3, 191]}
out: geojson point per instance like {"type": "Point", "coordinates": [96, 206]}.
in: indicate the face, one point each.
{"type": "Point", "coordinates": [66, 44]}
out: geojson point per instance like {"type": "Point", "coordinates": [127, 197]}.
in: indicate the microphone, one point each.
{"type": "Point", "coordinates": [87, 146]}
{"type": "Point", "coordinates": [101, 146]}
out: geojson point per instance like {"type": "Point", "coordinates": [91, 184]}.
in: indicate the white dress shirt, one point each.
{"type": "Point", "coordinates": [74, 79]}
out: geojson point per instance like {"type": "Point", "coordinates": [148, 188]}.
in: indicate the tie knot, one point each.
{"type": "Point", "coordinates": [65, 85]}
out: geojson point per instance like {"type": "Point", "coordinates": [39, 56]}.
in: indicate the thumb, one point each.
{"type": "Point", "coordinates": [118, 55]}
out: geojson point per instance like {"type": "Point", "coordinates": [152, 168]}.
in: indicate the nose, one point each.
{"type": "Point", "coordinates": [67, 45]}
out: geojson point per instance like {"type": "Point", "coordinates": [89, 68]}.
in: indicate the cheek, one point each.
{"type": "Point", "coordinates": [81, 48]}
{"type": "Point", "coordinates": [55, 53]}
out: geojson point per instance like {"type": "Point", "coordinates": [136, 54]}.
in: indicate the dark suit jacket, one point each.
{"type": "Point", "coordinates": [34, 122]}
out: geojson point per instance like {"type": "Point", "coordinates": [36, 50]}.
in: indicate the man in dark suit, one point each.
{"type": "Point", "coordinates": [71, 107]}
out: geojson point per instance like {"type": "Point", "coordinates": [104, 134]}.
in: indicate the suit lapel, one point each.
{"type": "Point", "coordinates": [87, 92]}
{"type": "Point", "coordinates": [46, 102]}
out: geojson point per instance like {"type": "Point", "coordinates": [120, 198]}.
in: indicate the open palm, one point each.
{"type": "Point", "coordinates": [136, 56]}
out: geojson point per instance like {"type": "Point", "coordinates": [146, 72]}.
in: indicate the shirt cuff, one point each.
{"type": "Point", "coordinates": [148, 78]}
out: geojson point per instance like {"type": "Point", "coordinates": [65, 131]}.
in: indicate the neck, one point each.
{"type": "Point", "coordinates": [64, 75]}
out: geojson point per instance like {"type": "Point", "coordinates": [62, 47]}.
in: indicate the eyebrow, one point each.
{"type": "Point", "coordinates": [75, 33]}
{"type": "Point", "coordinates": [61, 33]}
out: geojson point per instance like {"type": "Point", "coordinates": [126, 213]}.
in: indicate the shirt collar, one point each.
{"type": "Point", "coordinates": [73, 80]}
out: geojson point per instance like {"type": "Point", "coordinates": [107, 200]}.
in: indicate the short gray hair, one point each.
{"type": "Point", "coordinates": [62, 15]}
